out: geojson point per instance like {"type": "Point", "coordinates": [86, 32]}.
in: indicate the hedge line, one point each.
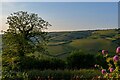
{"type": "Point", "coordinates": [63, 74]}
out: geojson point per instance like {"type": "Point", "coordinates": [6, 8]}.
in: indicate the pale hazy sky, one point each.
{"type": "Point", "coordinates": [65, 16]}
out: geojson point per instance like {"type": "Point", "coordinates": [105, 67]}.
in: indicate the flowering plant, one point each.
{"type": "Point", "coordinates": [113, 70]}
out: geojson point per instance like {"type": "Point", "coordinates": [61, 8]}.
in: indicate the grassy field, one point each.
{"type": "Point", "coordinates": [88, 41]}
{"type": "Point", "coordinates": [93, 45]}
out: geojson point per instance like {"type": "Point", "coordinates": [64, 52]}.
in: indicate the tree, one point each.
{"type": "Point", "coordinates": [26, 34]}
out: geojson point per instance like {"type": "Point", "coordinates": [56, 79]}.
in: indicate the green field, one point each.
{"type": "Point", "coordinates": [91, 42]}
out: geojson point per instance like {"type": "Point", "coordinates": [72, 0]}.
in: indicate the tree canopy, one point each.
{"type": "Point", "coordinates": [26, 33]}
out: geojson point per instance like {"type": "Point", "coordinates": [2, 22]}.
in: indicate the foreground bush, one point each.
{"type": "Point", "coordinates": [113, 71]}
{"type": "Point", "coordinates": [62, 74]}
{"type": "Point", "coordinates": [30, 63]}
{"type": "Point", "coordinates": [78, 59]}
{"type": "Point", "coordinates": [100, 60]}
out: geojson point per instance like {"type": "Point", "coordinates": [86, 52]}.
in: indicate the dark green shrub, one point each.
{"type": "Point", "coordinates": [63, 74]}
{"type": "Point", "coordinates": [77, 60]}
{"type": "Point", "coordinates": [57, 64]}
{"type": "Point", "coordinates": [36, 63]}
{"type": "Point", "coordinates": [101, 61]}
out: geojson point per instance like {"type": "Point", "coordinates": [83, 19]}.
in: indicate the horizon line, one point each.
{"type": "Point", "coordinates": [76, 30]}
{"type": "Point", "coordinates": [82, 30]}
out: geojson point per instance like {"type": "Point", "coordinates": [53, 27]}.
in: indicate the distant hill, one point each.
{"type": "Point", "coordinates": [91, 41]}
{"type": "Point", "coordinates": [65, 36]}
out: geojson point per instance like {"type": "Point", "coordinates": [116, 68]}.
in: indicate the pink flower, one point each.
{"type": "Point", "coordinates": [104, 52]}
{"type": "Point", "coordinates": [118, 50]}
{"type": "Point", "coordinates": [116, 58]}
{"type": "Point", "coordinates": [103, 71]}
{"type": "Point", "coordinates": [111, 69]}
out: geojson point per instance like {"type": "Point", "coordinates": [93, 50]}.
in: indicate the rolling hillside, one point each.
{"type": "Point", "coordinates": [90, 42]}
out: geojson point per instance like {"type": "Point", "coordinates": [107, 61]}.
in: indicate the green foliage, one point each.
{"type": "Point", "coordinates": [52, 63]}
{"type": "Point", "coordinates": [100, 60]}
{"type": "Point", "coordinates": [14, 75]}
{"type": "Point", "coordinates": [57, 64]}
{"type": "Point", "coordinates": [63, 74]}
{"type": "Point", "coordinates": [113, 62]}
{"type": "Point", "coordinates": [78, 59]}
{"type": "Point", "coordinates": [25, 35]}
{"type": "Point", "coordinates": [29, 63]}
